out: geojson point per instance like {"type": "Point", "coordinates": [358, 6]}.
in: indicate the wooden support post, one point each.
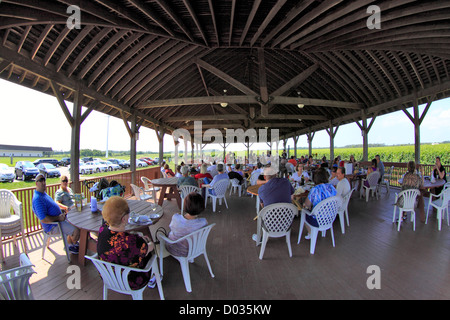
{"type": "Point", "coordinates": [310, 136]}
{"type": "Point", "coordinates": [75, 142]}
{"type": "Point", "coordinates": [332, 133]}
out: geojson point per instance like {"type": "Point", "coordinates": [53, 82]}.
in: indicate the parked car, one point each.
{"type": "Point", "coordinates": [48, 170]}
{"type": "Point", "coordinates": [87, 159]}
{"type": "Point", "coordinates": [84, 168]}
{"type": "Point", "coordinates": [140, 164]}
{"type": "Point", "coordinates": [64, 162]}
{"type": "Point", "coordinates": [51, 161]}
{"type": "Point", "coordinates": [156, 160]}
{"type": "Point", "coordinates": [147, 160]}
{"type": "Point", "coordinates": [6, 173]}
{"type": "Point", "coordinates": [122, 163]}
{"type": "Point", "coordinates": [111, 166]}
{"type": "Point", "coordinates": [25, 170]}
{"type": "Point", "coordinates": [97, 166]}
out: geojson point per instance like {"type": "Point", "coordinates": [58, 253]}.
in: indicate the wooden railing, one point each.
{"type": "Point", "coordinates": [31, 222]}
{"type": "Point", "coordinates": [400, 169]}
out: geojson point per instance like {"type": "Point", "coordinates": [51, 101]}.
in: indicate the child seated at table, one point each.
{"type": "Point", "coordinates": [184, 224]}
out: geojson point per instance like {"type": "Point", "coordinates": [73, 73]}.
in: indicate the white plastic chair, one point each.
{"type": "Point", "coordinates": [220, 189]}
{"type": "Point", "coordinates": [372, 178]}
{"type": "Point", "coordinates": [185, 190]}
{"type": "Point", "coordinates": [276, 222]}
{"type": "Point", "coordinates": [59, 234]}
{"type": "Point", "coordinates": [386, 180]}
{"type": "Point", "coordinates": [10, 224]}
{"type": "Point", "coordinates": [325, 212]}
{"type": "Point", "coordinates": [235, 186]}
{"type": "Point", "coordinates": [440, 202]}
{"type": "Point", "coordinates": [149, 188]}
{"type": "Point", "coordinates": [197, 246]}
{"type": "Point", "coordinates": [139, 193]}
{"type": "Point", "coordinates": [115, 277]}
{"type": "Point", "coordinates": [409, 201]}
{"type": "Point", "coordinates": [15, 283]}
{"type": "Point", "coordinates": [343, 210]}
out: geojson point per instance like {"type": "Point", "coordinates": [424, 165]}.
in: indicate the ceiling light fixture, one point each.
{"type": "Point", "coordinates": [300, 105]}
{"type": "Point", "coordinates": [224, 104]}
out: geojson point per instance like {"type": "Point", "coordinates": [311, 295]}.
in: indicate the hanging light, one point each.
{"type": "Point", "coordinates": [224, 104]}
{"type": "Point", "coordinates": [300, 105]}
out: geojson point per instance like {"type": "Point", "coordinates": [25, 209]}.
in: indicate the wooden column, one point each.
{"type": "Point", "coordinates": [160, 131]}
{"type": "Point", "coordinates": [75, 143]}
{"type": "Point", "coordinates": [295, 138]}
{"type": "Point", "coordinates": [332, 133]}
{"type": "Point", "coordinates": [365, 133]}
{"type": "Point", "coordinates": [417, 121]}
{"type": "Point", "coordinates": [310, 136]}
{"type": "Point", "coordinates": [75, 122]}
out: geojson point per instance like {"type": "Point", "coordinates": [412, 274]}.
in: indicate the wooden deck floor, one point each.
{"type": "Point", "coordinates": [414, 265]}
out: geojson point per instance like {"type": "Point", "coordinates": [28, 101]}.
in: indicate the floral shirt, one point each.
{"type": "Point", "coordinates": [321, 192]}
{"type": "Point", "coordinates": [124, 249]}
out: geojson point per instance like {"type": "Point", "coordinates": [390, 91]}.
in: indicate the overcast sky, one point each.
{"type": "Point", "coordinates": [32, 118]}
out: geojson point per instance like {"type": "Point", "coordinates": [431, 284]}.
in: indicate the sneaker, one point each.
{"type": "Point", "coordinates": [74, 249]}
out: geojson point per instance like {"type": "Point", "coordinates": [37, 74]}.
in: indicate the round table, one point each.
{"type": "Point", "coordinates": [88, 221]}
{"type": "Point", "coordinates": [169, 189]}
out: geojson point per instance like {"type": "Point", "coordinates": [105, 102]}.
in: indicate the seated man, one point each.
{"type": "Point", "coordinates": [220, 176]}
{"type": "Point", "coordinates": [343, 186]}
{"type": "Point", "coordinates": [186, 179]}
{"type": "Point", "coordinates": [275, 190]}
{"type": "Point", "coordinates": [47, 210]}
{"type": "Point", "coordinates": [235, 175]}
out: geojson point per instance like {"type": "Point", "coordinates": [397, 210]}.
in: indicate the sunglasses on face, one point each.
{"type": "Point", "coordinates": [41, 180]}
{"type": "Point", "coordinates": [65, 180]}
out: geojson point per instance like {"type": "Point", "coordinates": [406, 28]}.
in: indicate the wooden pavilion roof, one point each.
{"type": "Point", "coordinates": [169, 62]}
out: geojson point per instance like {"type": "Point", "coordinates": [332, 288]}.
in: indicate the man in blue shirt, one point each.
{"type": "Point", "coordinates": [275, 190]}
{"type": "Point", "coordinates": [220, 176]}
{"type": "Point", "coordinates": [48, 211]}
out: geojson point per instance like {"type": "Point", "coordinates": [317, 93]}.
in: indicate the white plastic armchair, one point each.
{"type": "Point", "coordinates": [10, 224]}
{"type": "Point", "coordinates": [386, 179]}
{"type": "Point", "coordinates": [409, 201]}
{"type": "Point", "coordinates": [15, 283]}
{"type": "Point", "coordinates": [276, 222]}
{"type": "Point", "coordinates": [343, 210]}
{"type": "Point", "coordinates": [185, 190]}
{"type": "Point", "coordinates": [372, 179]}
{"type": "Point", "coordinates": [220, 189]}
{"type": "Point", "coordinates": [235, 186]}
{"type": "Point", "coordinates": [325, 212]}
{"type": "Point", "coordinates": [139, 193]}
{"type": "Point", "coordinates": [197, 246]}
{"type": "Point", "coordinates": [440, 202]}
{"type": "Point", "coordinates": [149, 188]}
{"type": "Point", "coordinates": [115, 277]}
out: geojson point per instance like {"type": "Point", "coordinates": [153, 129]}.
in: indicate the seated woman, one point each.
{"type": "Point", "coordinates": [168, 171]}
{"type": "Point", "coordinates": [299, 174]}
{"type": "Point", "coordinates": [321, 191]}
{"type": "Point", "coordinates": [411, 180]}
{"type": "Point", "coordinates": [439, 173]}
{"type": "Point", "coordinates": [178, 174]}
{"type": "Point", "coordinates": [186, 223]}
{"type": "Point", "coordinates": [117, 246]}
{"type": "Point", "coordinates": [204, 174]}
{"type": "Point", "coordinates": [64, 195]}
{"type": "Point", "coordinates": [372, 168]}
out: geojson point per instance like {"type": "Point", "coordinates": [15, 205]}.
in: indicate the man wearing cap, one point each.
{"type": "Point", "coordinates": [275, 190]}
{"type": "Point", "coordinates": [48, 211]}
